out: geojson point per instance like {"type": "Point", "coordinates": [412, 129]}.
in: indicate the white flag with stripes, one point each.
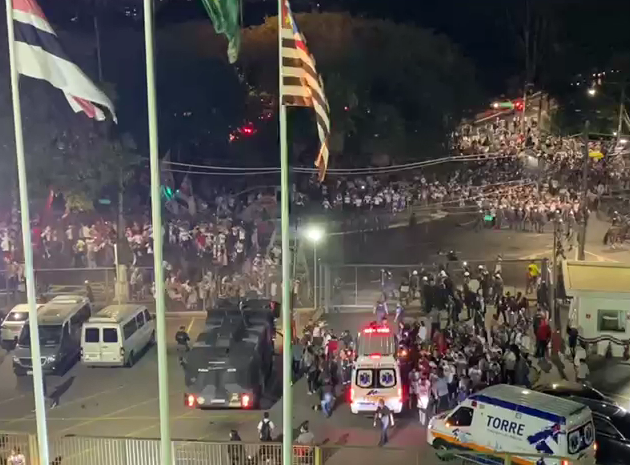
{"type": "Point", "coordinates": [301, 85]}
{"type": "Point", "coordinates": [39, 55]}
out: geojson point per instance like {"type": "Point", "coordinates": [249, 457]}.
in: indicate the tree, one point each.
{"type": "Point", "coordinates": [393, 89]}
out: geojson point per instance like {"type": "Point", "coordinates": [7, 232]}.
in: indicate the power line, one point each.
{"type": "Point", "coordinates": [235, 171]}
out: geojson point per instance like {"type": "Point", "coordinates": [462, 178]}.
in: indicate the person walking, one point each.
{"type": "Point", "coordinates": [384, 418]}
{"type": "Point", "coordinates": [265, 428]}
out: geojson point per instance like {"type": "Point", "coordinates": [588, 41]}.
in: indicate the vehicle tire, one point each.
{"type": "Point", "coordinates": [441, 447]}
{"type": "Point", "coordinates": [130, 360]}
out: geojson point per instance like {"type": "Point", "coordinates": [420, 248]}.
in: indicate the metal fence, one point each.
{"type": "Point", "coordinates": [81, 450]}
{"type": "Point", "coordinates": [358, 286]}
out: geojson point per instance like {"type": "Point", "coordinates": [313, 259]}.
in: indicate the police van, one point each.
{"type": "Point", "coordinates": [512, 419]}
{"type": "Point", "coordinates": [376, 377]}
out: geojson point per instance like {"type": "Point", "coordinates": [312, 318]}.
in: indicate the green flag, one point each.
{"type": "Point", "coordinates": [224, 15]}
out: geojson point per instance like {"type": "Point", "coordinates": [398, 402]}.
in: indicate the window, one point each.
{"type": "Point", "coordinates": [130, 328]}
{"type": "Point", "coordinates": [49, 335]}
{"type": "Point", "coordinates": [603, 426]}
{"type": "Point", "coordinates": [92, 335]}
{"type": "Point", "coordinates": [110, 335]}
{"type": "Point", "coordinates": [140, 319]}
{"type": "Point", "coordinates": [365, 378]}
{"type": "Point", "coordinates": [386, 378]}
{"type": "Point", "coordinates": [80, 317]}
{"type": "Point", "coordinates": [611, 320]}
{"type": "Point", "coordinates": [383, 378]}
{"type": "Point", "coordinates": [580, 438]}
{"type": "Point", "coordinates": [463, 416]}
{"type": "Point", "coordinates": [147, 315]}
{"type": "Point", "coordinates": [17, 316]}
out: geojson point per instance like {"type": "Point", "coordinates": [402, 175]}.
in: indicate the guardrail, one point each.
{"type": "Point", "coordinates": [84, 450]}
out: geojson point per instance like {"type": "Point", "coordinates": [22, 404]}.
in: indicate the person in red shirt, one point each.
{"type": "Point", "coordinates": [543, 334]}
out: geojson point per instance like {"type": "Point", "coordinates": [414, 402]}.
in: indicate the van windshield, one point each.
{"type": "Point", "coordinates": [49, 336]}
{"type": "Point", "coordinates": [17, 316]}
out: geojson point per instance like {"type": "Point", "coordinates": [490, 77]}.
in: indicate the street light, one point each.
{"type": "Point", "coordinates": [592, 91]}
{"type": "Point", "coordinates": [314, 234]}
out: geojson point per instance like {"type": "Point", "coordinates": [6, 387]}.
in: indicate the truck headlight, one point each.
{"type": "Point", "coordinates": [201, 400]}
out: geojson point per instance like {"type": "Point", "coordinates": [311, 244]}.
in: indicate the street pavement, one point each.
{"type": "Point", "coordinates": [123, 402]}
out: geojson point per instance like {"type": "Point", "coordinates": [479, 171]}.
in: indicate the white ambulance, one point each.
{"type": "Point", "coordinates": [512, 419]}
{"type": "Point", "coordinates": [375, 377]}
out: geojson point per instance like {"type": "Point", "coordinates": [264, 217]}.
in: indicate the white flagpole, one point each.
{"type": "Point", "coordinates": [156, 220]}
{"type": "Point", "coordinates": [287, 282]}
{"type": "Point", "coordinates": [38, 379]}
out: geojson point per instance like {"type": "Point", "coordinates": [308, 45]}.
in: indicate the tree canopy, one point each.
{"type": "Point", "coordinates": [393, 89]}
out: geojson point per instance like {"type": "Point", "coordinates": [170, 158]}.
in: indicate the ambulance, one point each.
{"type": "Point", "coordinates": [376, 377]}
{"type": "Point", "coordinates": [511, 419]}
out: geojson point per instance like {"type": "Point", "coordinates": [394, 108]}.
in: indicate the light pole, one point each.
{"type": "Point", "coordinates": [314, 234]}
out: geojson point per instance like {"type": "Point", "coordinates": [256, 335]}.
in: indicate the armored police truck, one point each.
{"type": "Point", "coordinates": [231, 360]}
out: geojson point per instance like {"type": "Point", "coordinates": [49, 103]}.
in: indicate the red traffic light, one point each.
{"type": "Point", "coordinates": [518, 105]}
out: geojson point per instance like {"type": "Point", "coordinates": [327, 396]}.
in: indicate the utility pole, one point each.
{"type": "Point", "coordinates": [621, 110]}
{"type": "Point", "coordinates": [582, 245]}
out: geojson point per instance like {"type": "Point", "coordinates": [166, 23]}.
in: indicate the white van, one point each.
{"type": "Point", "coordinates": [11, 327]}
{"type": "Point", "coordinates": [117, 335]}
{"type": "Point", "coordinates": [374, 378]}
{"type": "Point", "coordinates": [506, 418]}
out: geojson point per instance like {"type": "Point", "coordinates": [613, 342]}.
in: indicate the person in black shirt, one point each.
{"type": "Point", "coordinates": [384, 418]}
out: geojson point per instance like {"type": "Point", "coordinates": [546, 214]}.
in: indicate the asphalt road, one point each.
{"type": "Point", "coordinates": [114, 401]}
{"type": "Point", "coordinates": [123, 402]}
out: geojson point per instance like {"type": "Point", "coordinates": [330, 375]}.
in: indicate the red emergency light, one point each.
{"type": "Point", "coordinates": [376, 330]}
{"type": "Point", "coordinates": [375, 356]}
{"type": "Point", "coordinates": [245, 401]}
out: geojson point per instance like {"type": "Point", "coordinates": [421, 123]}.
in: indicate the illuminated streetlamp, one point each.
{"type": "Point", "coordinates": [592, 91]}
{"type": "Point", "coordinates": [314, 234]}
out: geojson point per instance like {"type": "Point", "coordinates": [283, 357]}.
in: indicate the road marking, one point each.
{"type": "Point", "coordinates": [111, 414]}
{"type": "Point", "coordinates": [601, 258]}
{"type": "Point", "coordinates": [11, 399]}
{"type": "Point", "coordinates": [535, 255]}
{"type": "Point", "coordinates": [65, 404]}
{"type": "Point", "coordinates": [190, 325]}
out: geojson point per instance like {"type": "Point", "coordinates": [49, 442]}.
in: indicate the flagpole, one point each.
{"type": "Point", "coordinates": [38, 379]}
{"type": "Point", "coordinates": [287, 284]}
{"type": "Point", "coordinates": [156, 220]}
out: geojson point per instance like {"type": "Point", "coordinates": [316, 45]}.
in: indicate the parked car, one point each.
{"type": "Point", "coordinates": [574, 390]}
{"type": "Point", "coordinates": [612, 422]}
{"type": "Point", "coordinates": [612, 432]}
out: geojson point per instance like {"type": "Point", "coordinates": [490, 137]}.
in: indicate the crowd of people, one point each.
{"type": "Point", "coordinates": [225, 248]}
{"type": "Point", "coordinates": [468, 336]}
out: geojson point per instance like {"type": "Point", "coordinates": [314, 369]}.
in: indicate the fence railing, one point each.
{"type": "Point", "coordinates": [359, 286]}
{"type": "Point", "coordinates": [82, 450]}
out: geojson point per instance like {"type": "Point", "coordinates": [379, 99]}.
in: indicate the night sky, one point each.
{"type": "Point", "coordinates": [587, 32]}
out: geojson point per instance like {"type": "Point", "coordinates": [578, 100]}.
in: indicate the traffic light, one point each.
{"type": "Point", "coordinates": [518, 106]}
{"type": "Point", "coordinates": [167, 192]}
{"type": "Point", "coordinates": [503, 105]}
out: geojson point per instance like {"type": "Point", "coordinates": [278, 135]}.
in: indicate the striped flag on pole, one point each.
{"type": "Point", "coordinates": [39, 55]}
{"type": "Point", "coordinates": [301, 85]}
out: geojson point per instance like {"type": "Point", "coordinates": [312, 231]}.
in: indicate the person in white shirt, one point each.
{"type": "Point", "coordinates": [422, 333]}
